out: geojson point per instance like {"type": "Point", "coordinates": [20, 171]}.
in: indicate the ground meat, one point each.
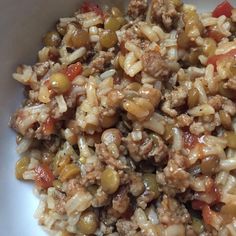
{"type": "Point", "coordinates": [174, 178]}
{"type": "Point", "coordinates": [146, 148]}
{"type": "Point", "coordinates": [92, 174]}
{"type": "Point", "coordinates": [136, 185]}
{"type": "Point", "coordinates": [174, 99]}
{"type": "Point", "coordinates": [184, 120]}
{"type": "Point", "coordinates": [216, 102]}
{"type": "Point", "coordinates": [145, 198]}
{"type": "Point", "coordinates": [100, 62]}
{"type": "Point", "coordinates": [53, 144]}
{"type": "Point", "coordinates": [231, 84]}
{"type": "Point", "coordinates": [106, 157]}
{"type": "Point", "coordinates": [171, 212]}
{"type": "Point", "coordinates": [121, 201]}
{"type": "Point", "coordinates": [137, 8]}
{"type": "Point", "coordinates": [229, 106]}
{"type": "Point", "coordinates": [197, 128]}
{"type": "Point", "coordinates": [100, 198]}
{"type": "Point", "coordinates": [72, 187]}
{"type": "Point", "coordinates": [164, 12]}
{"type": "Point", "coordinates": [60, 199]}
{"type": "Point", "coordinates": [220, 102]}
{"type": "Point", "coordinates": [166, 108]}
{"type": "Point", "coordinates": [126, 228]}
{"type": "Point", "coordinates": [154, 64]}
{"type": "Point", "coordinates": [42, 68]}
{"type": "Point", "coordinates": [178, 96]}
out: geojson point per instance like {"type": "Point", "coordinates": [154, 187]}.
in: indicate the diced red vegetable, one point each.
{"type": "Point", "coordinates": [198, 205]}
{"type": "Point", "coordinates": [207, 214]}
{"type": "Point", "coordinates": [224, 8]}
{"type": "Point", "coordinates": [49, 126]}
{"type": "Point", "coordinates": [213, 60]}
{"type": "Point", "coordinates": [88, 7]}
{"type": "Point", "coordinates": [44, 176]}
{"type": "Point", "coordinates": [214, 34]}
{"type": "Point", "coordinates": [73, 70]}
{"type": "Point", "coordinates": [211, 217]}
{"type": "Point", "coordinates": [190, 140]}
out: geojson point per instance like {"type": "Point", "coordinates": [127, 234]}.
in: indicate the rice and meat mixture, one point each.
{"type": "Point", "coordinates": [128, 126]}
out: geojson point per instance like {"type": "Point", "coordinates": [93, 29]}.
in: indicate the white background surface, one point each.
{"type": "Point", "coordinates": [22, 24]}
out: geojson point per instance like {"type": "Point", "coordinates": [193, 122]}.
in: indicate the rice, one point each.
{"type": "Point", "coordinates": [107, 74]}
{"type": "Point", "coordinates": [202, 110]}
{"type": "Point", "coordinates": [149, 32]}
{"type": "Point", "coordinates": [79, 202]}
{"type": "Point", "coordinates": [128, 123]}
{"type": "Point", "coordinates": [61, 103]}
{"type": "Point", "coordinates": [69, 58]}
{"type": "Point", "coordinates": [24, 145]}
{"type": "Point", "coordinates": [133, 48]}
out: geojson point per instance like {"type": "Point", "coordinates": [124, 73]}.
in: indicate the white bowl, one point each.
{"type": "Point", "coordinates": [22, 24]}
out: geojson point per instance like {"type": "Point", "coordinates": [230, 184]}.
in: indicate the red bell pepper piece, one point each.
{"type": "Point", "coordinates": [213, 59]}
{"type": "Point", "coordinates": [73, 70]}
{"type": "Point", "coordinates": [88, 7]}
{"type": "Point", "coordinates": [224, 8]}
{"type": "Point", "coordinates": [44, 176]}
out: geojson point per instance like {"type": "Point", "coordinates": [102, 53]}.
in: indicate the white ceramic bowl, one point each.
{"type": "Point", "coordinates": [22, 24]}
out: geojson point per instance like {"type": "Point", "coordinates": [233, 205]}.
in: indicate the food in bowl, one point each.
{"type": "Point", "coordinates": [128, 124]}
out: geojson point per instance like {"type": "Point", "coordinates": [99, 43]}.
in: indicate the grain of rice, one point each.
{"type": "Point", "coordinates": [228, 165]}
{"type": "Point", "coordinates": [134, 69]}
{"type": "Point", "coordinates": [232, 228]}
{"type": "Point", "coordinates": [93, 30]}
{"type": "Point", "coordinates": [225, 47]}
{"type": "Point", "coordinates": [67, 19]}
{"type": "Point", "coordinates": [229, 184]}
{"type": "Point", "coordinates": [79, 202]}
{"type": "Point", "coordinates": [203, 59]}
{"type": "Point", "coordinates": [129, 61]}
{"type": "Point", "coordinates": [221, 178]}
{"type": "Point", "coordinates": [175, 230]}
{"type": "Point", "coordinates": [43, 54]}
{"type": "Point", "coordinates": [41, 207]}
{"type": "Point", "coordinates": [61, 103]}
{"type": "Point", "coordinates": [202, 110]}
{"type": "Point", "coordinates": [155, 123]}
{"type": "Point", "coordinates": [50, 200]}
{"type": "Point", "coordinates": [92, 21]}
{"type": "Point", "coordinates": [210, 78]}
{"type": "Point", "coordinates": [133, 48]}
{"type": "Point", "coordinates": [209, 21]}
{"type": "Point", "coordinates": [73, 220]}
{"type": "Point", "coordinates": [136, 135]}
{"type": "Point", "coordinates": [161, 34]}
{"type": "Point", "coordinates": [94, 38]}
{"type": "Point", "coordinates": [24, 145]}
{"type": "Point", "coordinates": [177, 139]}
{"type": "Point", "coordinates": [33, 164]}
{"type": "Point", "coordinates": [149, 32]}
{"type": "Point", "coordinates": [44, 95]}
{"type": "Point", "coordinates": [223, 26]}
{"type": "Point", "coordinates": [29, 175]}
{"type": "Point", "coordinates": [83, 147]}
{"type": "Point", "coordinates": [73, 56]}
{"type": "Point", "coordinates": [91, 94]}
{"type": "Point", "coordinates": [107, 74]}
{"type": "Point", "coordinates": [27, 75]}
